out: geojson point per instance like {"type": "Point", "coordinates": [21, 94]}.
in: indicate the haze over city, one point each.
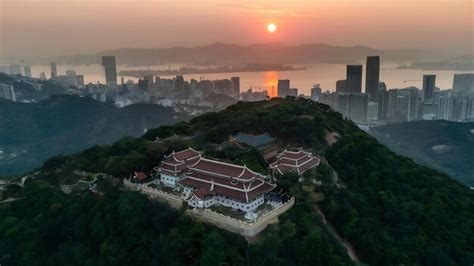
{"type": "Point", "coordinates": [63, 27]}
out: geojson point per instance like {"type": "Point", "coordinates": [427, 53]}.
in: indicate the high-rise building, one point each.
{"type": "Point", "coordinates": [54, 70]}
{"type": "Point", "coordinates": [445, 109]}
{"type": "Point", "coordinates": [463, 83]}
{"type": "Point", "coordinates": [27, 70]}
{"type": "Point", "coordinates": [462, 108]}
{"type": "Point", "coordinates": [235, 86]}
{"type": "Point", "coordinates": [108, 62]}
{"type": "Point", "coordinates": [283, 87]}
{"type": "Point", "coordinates": [402, 107]}
{"type": "Point", "coordinates": [316, 93]}
{"type": "Point", "coordinates": [341, 85]}
{"type": "Point", "coordinates": [429, 83]}
{"type": "Point", "coordinates": [329, 98]}
{"type": "Point", "coordinates": [354, 78]}
{"type": "Point", "coordinates": [7, 91]}
{"type": "Point", "coordinates": [353, 106]}
{"type": "Point", "coordinates": [382, 108]}
{"type": "Point", "coordinates": [412, 104]}
{"type": "Point", "coordinates": [392, 95]}
{"type": "Point", "coordinates": [372, 76]}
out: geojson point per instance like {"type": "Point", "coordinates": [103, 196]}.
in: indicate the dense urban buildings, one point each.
{"type": "Point", "coordinates": [353, 106]}
{"type": "Point", "coordinates": [378, 105]}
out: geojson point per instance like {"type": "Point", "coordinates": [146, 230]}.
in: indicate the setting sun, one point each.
{"type": "Point", "coordinates": [271, 27]}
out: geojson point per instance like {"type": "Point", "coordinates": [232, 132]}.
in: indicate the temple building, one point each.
{"type": "Point", "coordinates": [294, 161]}
{"type": "Point", "coordinates": [139, 177]}
{"type": "Point", "coordinates": [205, 183]}
{"type": "Point", "coordinates": [262, 142]}
{"type": "Point", "coordinates": [174, 166]}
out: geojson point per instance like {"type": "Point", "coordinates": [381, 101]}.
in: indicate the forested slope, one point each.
{"type": "Point", "coordinates": [392, 210]}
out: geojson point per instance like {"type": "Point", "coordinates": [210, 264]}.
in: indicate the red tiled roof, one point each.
{"type": "Point", "coordinates": [186, 154]}
{"type": "Point", "coordinates": [293, 155]}
{"type": "Point", "coordinates": [243, 196]}
{"type": "Point", "coordinates": [308, 165]}
{"type": "Point", "coordinates": [177, 162]}
{"type": "Point", "coordinates": [140, 176]}
{"type": "Point", "coordinates": [203, 191]}
{"type": "Point", "coordinates": [172, 160]}
{"type": "Point", "coordinates": [209, 177]}
{"type": "Point", "coordinates": [218, 180]}
{"type": "Point", "coordinates": [293, 161]}
{"type": "Point", "coordinates": [224, 169]}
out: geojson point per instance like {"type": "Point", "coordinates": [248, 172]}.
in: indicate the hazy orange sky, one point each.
{"type": "Point", "coordinates": [57, 27]}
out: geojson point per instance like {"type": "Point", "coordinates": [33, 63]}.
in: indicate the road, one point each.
{"type": "Point", "coordinates": [350, 250]}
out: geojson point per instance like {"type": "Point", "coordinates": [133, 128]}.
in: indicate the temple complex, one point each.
{"type": "Point", "coordinates": [205, 183]}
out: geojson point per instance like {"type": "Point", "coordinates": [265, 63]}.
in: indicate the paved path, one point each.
{"type": "Point", "coordinates": [10, 200]}
{"type": "Point", "coordinates": [350, 250]}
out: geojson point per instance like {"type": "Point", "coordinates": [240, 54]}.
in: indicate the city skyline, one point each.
{"type": "Point", "coordinates": [84, 27]}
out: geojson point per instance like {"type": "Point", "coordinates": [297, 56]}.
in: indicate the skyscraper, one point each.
{"type": "Point", "coordinates": [372, 76]}
{"type": "Point", "coordinates": [54, 70]}
{"type": "Point", "coordinates": [283, 87]}
{"type": "Point", "coordinates": [429, 83]}
{"type": "Point", "coordinates": [392, 96]}
{"type": "Point", "coordinates": [110, 69]}
{"type": "Point", "coordinates": [354, 78]}
{"type": "Point", "coordinates": [235, 86]}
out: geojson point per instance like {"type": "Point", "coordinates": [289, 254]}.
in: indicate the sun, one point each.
{"type": "Point", "coordinates": [271, 27]}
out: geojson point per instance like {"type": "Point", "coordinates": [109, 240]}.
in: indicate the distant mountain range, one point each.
{"type": "Point", "coordinates": [446, 146]}
{"type": "Point", "coordinates": [31, 133]}
{"type": "Point", "coordinates": [222, 53]}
